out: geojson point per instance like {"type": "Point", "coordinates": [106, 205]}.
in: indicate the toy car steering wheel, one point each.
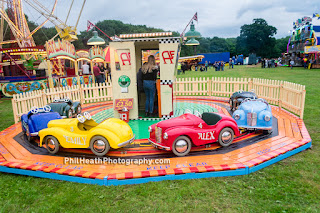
{"type": "Point", "coordinates": [34, 110]}
{"type": "Point", "coordinates": [262, 100]}
{"type": "Point", "coordinates": [81, 119]}
{"type": "Point", "coordinates": [47, 108]}
{"type": "Point", "coordinates": [196, 113]}
{"type": "Point", "coordinates": [247, 99]}
{"type": "Point", "coordinates": [87, 115]}
{"type": "Point", "coordinates": [252, 90]}
{"type": "Point", "coordinates": [188, 111]}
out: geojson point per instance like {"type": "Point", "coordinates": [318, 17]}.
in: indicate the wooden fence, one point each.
{"type": "Point", "coordinates": [287, 95]}
{"type": "Point", "coordinates": [284, 94]}
{"type": "Point", "coordinates": [23, 102]}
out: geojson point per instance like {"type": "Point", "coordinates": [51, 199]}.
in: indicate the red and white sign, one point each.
{"type": "Point", "coordinates": [125, 57]}
{"type": "Point", "coordinates": [168, 56]}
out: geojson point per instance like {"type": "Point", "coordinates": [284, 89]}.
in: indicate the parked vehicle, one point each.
{"type": "Point", "coordinates": [181, 133]}
{"type": "Point", "coordinates": [66, 107]}
{"type": "Point", "coordinates": [237, 97]}
{"type": "Point", "coordinates": [254, 114]}
{"type": "Point", "coordinates": [37, 119]}
{"type": "Point", "coordinates": [83, 132]}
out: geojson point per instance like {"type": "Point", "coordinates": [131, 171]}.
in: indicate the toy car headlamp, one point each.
{"type": "Point", "coordinates": [150, 129]}
{"type": "Point", "coordinates": [165, 136]}
{"type": "Point", "coordinates": [236, 116]}
{"type": "Point", "coordinates": [267, 118]}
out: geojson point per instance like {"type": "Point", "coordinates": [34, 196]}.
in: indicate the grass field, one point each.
{"type": "Point", "coordinates": [292, 185]}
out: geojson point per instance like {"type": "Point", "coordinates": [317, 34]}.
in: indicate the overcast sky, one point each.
{"type": "Point", "coordinates": [221, 18]}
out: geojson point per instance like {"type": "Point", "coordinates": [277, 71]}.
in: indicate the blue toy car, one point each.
{"type": "Point", "coordinates": [254, 114]}
{"type": "Point", "coordinates": [36, 120]}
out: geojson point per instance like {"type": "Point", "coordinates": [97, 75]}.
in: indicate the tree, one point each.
{"type": "Point", "coordinates": [257, 38]}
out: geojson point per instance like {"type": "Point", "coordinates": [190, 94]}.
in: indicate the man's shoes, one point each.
{"type": "Point", "coordinates": [146, 114]}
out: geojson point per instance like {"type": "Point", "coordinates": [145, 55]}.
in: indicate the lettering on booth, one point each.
{"type": "Point", "coordinates": [168, 56]}
{"type": "Point", "coordinates": [125, 57]}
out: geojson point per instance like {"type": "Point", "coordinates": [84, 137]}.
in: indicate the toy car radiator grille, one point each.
{"type": "Point", "coordinates": [158, 134]}
{"type": "Point", "coordinates": [252, 119]}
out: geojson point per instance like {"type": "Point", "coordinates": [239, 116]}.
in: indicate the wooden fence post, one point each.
{"type": "Point", "coordinates": [250, 84]}
{"type": "Point", "coordinates": [209, 86]}
{"type": "Point", "coordinates": [280, 95]}
{"type": "Point", "coordinates": [303, 99]}
{"type": "Point", "coordinates": [81, 90]}
{"type": "Point", "coordinates": [14, 107]}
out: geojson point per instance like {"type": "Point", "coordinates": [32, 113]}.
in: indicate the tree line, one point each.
{"type": "Point", "coordinates": [257, 37]}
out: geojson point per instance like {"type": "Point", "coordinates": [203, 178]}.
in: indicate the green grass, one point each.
{"type": "Point", "coordinates": [292, 185]}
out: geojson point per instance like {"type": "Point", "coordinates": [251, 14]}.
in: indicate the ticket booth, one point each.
{"type": "Point", "coordinates": [126, 57]}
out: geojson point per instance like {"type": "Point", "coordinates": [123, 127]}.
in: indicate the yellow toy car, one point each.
{"type": "Point", "coordinates": [83, 132]}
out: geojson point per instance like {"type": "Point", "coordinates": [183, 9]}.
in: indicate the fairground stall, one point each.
{"type": "Point", "coordinates": [66, 63]}
{"type": "Point", "coordinates": [304, 42]}
{"type": "Point", "coordinates": [131, 51]}
{"type": "Point", "coordinates": [21, 70]}
{"type": "Point", "coordinates": [191, 61]}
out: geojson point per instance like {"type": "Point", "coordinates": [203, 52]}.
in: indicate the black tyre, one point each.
{"type": "Point", "coordinates": [52, 144]}
{"type": "Point", "coordinates": [99, 146]}
{"type": "Point", "coordinates": [267, 132]}
{"type": "Point", "coordinates": [69, 113]}
{"type": "Point", "coordinates": [26, 133]}
{"type": "Point", "coordinates": [231, 104]}
{"type": "Point", "coordinates": [78, 111]}
{"type": "Point", "coordinates": [181, 146]}
{"type": "Point", "coordinates": [226, 136]}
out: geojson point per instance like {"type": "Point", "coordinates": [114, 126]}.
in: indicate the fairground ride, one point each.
{"type": "Point", "coordinates": [21, 56]}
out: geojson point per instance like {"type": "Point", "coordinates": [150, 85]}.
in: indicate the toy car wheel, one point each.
{"type": "Point", "coordinates": [267, 132]}
{"type": "Point", "coordinates": [99, 146]}
{"type": "Point", "coordinates": [226, 136]}
{"type": "Point", "coordinates": [52, 144]}
{"type": "Point", "coordinates": [181, 146]}
{"type": "Point", "coordinates": [26, 133]}
{"type": "Point", "coordinates": [69, 113]}
{"type": "Point", "coordinates": [78, 111]}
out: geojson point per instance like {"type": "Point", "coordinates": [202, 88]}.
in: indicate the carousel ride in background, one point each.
{"type": "Point", "coordinates": [23, 62]}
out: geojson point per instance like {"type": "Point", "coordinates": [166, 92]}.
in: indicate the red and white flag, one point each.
{"type": "Point", "coordinates": [195, 17]}
{"type": "Point", "coordinates": [89, 26]}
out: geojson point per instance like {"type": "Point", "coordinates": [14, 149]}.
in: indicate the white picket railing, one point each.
{"type": "Point", "coordinates": [23, 102]}
{"type": "Point", "coordinates": [287, 95]}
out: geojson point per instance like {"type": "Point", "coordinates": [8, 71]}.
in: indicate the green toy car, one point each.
{"type": "Point", "coordinates": [66, 107]}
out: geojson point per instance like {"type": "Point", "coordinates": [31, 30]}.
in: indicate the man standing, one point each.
{"type": "Point", "coordinates": [98, 74]}
{"type": "Point", "coordinates": [206, 65]}
{"type": "Point", "coordinates": [291, 63]}
{"type": "Point", "coordinates": [85, 68]}
{"type": "Point", "coordinates": [305, 60]}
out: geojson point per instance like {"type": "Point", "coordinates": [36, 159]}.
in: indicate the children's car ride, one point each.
{"type": "Point", "coordinates": [237, 97]}
{"type": "Point", "coordinates": [83, 132]}
{"type": "Point", "coordinates": [180, 133]}
{"type": "Point", "coordinates": [66, 107]}
{"type": "Point", "coordinates": [254, 114]}
{"type": "Point", "coordinates": [37, 119]}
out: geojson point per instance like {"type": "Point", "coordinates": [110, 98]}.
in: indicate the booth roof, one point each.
{"type": "Point", "coordinates": [161, 39]}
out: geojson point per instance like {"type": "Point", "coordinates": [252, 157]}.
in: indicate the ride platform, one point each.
{"type": "Point", "coordinates": [249, 152]}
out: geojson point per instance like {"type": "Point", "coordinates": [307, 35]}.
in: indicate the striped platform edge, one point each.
{"type": "Point", "coordinates": [247, 166]}
{"type": "Point", "coordinates": [143, 176]}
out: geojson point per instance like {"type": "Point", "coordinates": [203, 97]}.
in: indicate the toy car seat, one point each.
{"type": "Point", "coordinates": [211, 118]}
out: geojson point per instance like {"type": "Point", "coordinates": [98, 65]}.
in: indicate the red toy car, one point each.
{"type": "Point", "coordinates": [180, 133]}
